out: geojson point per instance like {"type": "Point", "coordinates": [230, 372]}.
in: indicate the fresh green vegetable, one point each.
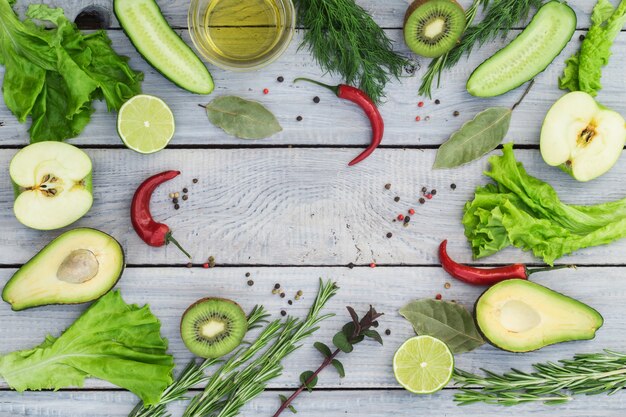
{"type": "Point", "coordinates": [500, 17]}
{"type": "Point", "coordinates": [522, 211]}
{"type": "Point", "coordinates": [231, 388]}
{"type": "Point", "coordinates": [53, 75]}
{"type": "Point", "coordinates": [446, 321]}
{"type": "Point", "coordinates": [78, 266]}
{"type": "Point", "coordinates": [243, 118]}
{"type": "Point", "coordinates": [527, 55]}
{"type": "Point", "coordinates": [112, 340]}
{"type": "Point", "coordinates": [344, 39]}
{"type": "Point", "coordinates": [155, 40]}
{"type": "Point", "coordinates": [550, 383]}
{"type": "Point", "coordinates": [353, 332]}
{"type": "Point", "coordinates": [519, 316]}
{"type": "Point", "coordinates": [194, 373]}
{"type": "Point", "coordinates": [583, 70]}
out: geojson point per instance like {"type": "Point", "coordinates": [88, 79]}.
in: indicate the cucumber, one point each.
{"type": "Point", "coordinates": [155, 40]}
{"type": "Point", "coordinates": [529, 54]}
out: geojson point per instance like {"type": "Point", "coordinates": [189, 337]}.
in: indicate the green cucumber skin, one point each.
{"type": "Point", "coordinates": [166, 26]}
{"type": "Point", "coordinates": [478, 92]}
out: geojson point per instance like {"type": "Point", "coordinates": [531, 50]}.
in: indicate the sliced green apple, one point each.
{"type": "Point", "coordinates": [582, 136]}
{"type": "Point", "coordinates": [52, 184]}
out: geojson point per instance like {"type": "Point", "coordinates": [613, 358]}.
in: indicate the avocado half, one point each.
{"type": "Point", "coordinates": [521, 316]}
{"type": "Point", "coordinates": [78, 266]}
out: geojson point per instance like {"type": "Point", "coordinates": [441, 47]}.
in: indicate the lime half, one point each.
{"type": "Point", "coordinates": [423, 365]}
{"type": "Point", "coordinates": [145, 124]}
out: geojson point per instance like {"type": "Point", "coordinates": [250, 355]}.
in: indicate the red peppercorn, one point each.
{"type": "Point", "coordinates": [429, 196]}
{"type": "Point", "coordinates": [438, 297]}
{"type": "Point", "coordinates": [266, 91]}
{"type": "Point", "coordinates": [372, 265]}
{"type": "Point", "coordinates": [411, 212]}
{"type": "Point", "coordinates": [417, 118]}
{"type": "Point", "coordinates": [420, 104]}
{"type": "Point", "coordinates": [400, 217]}
{"type": "Point", "coordinates": [205, 266]}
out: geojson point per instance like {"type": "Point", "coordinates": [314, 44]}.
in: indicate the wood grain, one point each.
{"type": "Point", "coordinates": [169, 291]}
{"type": "Point", "coordinates": [375, 403]}
{"type": "Point", "coordinates": [299, 206]}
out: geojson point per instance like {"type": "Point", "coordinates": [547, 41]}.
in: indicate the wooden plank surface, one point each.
{"type": "Point", "coordinates": [294, 215]}
{"type": "Point", "coordinates": [169, 291]}
{"type": "Point", "coordinates": [376, 403]}
{"type": "Point", "coordinates": [300, 206]}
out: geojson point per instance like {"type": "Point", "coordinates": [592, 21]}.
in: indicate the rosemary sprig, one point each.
{"type": "Point", "coordinates": [344, 39]}
{"type": "Point", "coordinates": [194, 373]}
{"type": "Point", "coordinates": [352, 333]}
{"type": "Point", "coordinates": [230, 388]}
{"type": "Point", "coordinates": [501, 16]}
{"type": "Point", "coordinates": [550, 383]}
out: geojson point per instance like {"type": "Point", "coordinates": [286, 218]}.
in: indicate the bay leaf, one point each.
{"type": "Point", "coordinates": [245, 119]}
{"type": "Point", "coordinates": [475, 138]}
{"type": "Point", "coordinates": [449, 322]}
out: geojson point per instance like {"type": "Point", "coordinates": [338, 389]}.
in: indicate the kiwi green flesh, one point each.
{"type": "Point", "coordinates": [433, 27]}
{"type": "Point", "coordinates": [213, 327]}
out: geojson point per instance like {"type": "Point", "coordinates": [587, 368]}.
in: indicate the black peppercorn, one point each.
{"type": "Point", "coordinates": [316, 99]}
{"type": "Point", "coordinates": [280, 79]}
{"type": "Point", "coordinates": [250, 283]}
{"type": "Point", "coordinates": [396, 199]}
{"type": "Point", "coordinates": [453, 186]}
{"type": "Point", "coordinates": [176, 206]}
{"type": "Point", "coordinates": [299, 118]}
{"type": "Point", "coordinates": [437, 101]}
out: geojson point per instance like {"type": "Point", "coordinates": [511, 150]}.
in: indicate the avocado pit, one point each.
{"type": "Point", "coordinates": [78, 267]}
{"type": "Point", "coordinates": [516, 316]}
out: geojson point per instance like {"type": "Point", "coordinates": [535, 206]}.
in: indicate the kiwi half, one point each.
{"type": "Point", "coordinates": [433, 27]}
{"type": "Point", "coordinates": [213, 327]}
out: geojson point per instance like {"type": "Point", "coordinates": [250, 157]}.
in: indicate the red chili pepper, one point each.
{"type": "Point", "coordinates": [151, 232]}
{"type": "Point", "coordinates": [484, 276]}
{"type": "Point", "coordinates": [359, 97]}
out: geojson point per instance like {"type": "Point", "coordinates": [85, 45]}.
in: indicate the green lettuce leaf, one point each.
{"type": "Point", "coordinates": [583, 70]}
{"type": "Point", "coordinates": [112, 340]}
{"type": "Point", "coordinates": [54, 74]}
{"type": "Point", "coordinates": [525, 212]}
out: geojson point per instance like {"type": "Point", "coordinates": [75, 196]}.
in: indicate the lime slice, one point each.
{"type": "Point", "coordinates": [145, 124]}
{"type": "Point", "coordinates": [423, 365]}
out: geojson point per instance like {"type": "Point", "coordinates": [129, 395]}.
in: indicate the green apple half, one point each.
{"type": "Point", "coordinates": [582, 136]}
{"type": "Point", "coordinates": [52, 184]}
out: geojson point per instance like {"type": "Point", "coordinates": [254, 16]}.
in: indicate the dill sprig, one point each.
{"type": "Point", "coordinates": [344, 39]}
{"type": "Point", "coordinates": [501, 16]}
{"type": "Point", "coordinates": [549, 383]}
{"type": "Point", "coordinates": [231, 388]}
{"type": "Point", "coordinates": [195, 372]}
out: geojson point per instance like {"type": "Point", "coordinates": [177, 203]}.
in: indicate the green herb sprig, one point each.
{"type": "Point", "coordinates": [550, 383]}
{"type": "Point", "coordinates": [344, 39]}
{"type": "Point", "coordinates": [501, 16]}
{"type": "Point", "coordinates": [230, 388]}
{"type": "Point", "coordinates": [195, 372]}
{"type": "Point", "coordinates": [352, 333]}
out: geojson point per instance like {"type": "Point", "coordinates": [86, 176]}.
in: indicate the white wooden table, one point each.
{"type": "Point", "coordinates": [289, 210]}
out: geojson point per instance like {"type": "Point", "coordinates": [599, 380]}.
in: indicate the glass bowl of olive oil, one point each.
{"type": "Point", "coordinates": [241, 35]}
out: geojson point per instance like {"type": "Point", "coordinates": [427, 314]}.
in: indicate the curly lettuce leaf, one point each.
{"type": "Point", "coordinates": [525, 212]}
{"type": "Point", "coordinates": [583, 70]}
{"type": "Point", "coordinates": [54, 74]}
{"type": "Point", "coordinates": [112, 340]}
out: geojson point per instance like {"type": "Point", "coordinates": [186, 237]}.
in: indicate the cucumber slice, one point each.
{"type": "Point", "coordinates": [527, 55]}
{"type": "Point", "coordinates": [155, 40]}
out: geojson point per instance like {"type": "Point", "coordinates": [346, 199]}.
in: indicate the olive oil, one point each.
{"type": "Point", "coordinates": [242, 30]}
